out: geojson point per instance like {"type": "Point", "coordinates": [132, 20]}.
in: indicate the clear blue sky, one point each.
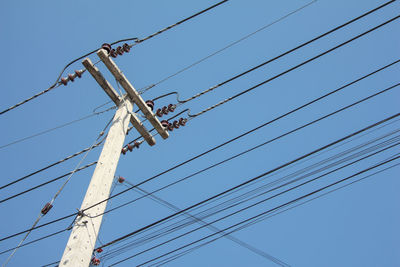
{"type": "Point", "coordinates": [356, 226]}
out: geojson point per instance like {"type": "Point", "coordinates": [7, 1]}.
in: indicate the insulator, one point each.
{"type": "Point", "coordinates": [130, 147]}
{"type": "Point", "coordinates": [99, 250]}
{"type": "Point", "coordinates": [182, 121]}
{"type": "Point", "coordinates": [113, 53]}
{"type": "Point", "coordinates": [46, 208]}
{"type": "Point", "coordinates": [121, 179]}
{"type": "Point", "coordinates": [159, 112]}
{"type": "Point", "coordinates": [150, 104]}
{"type": "Point", "coordinates": [71, 77]}
{"type": "Point", "coordinates": [78, 73]}
{"type": "Point", "coordinates": [126, 48]}
{"type": "Point", "coordinates": [171, 107]}
{"type": "Point", "coordinates": [170, 127]}
{"type": "Point", "coordinates": [123, 151]}
{"type": "Point", "coordinates": [136, 144]}
{"type": "Point", "coordinates": [165, 110]}
{"type": "Point", "coordinates": [120, 51]}
{"type": "Point", "coordinates": [164, 123]}
{"type": "Point", "coordinates": [176, 124]}
{"type": "Point", "coordinates": [95, 261]}
{"type": "Point", "coordinates": [64, 80]}
{"type": "Point", "coordinates": [106, 47]}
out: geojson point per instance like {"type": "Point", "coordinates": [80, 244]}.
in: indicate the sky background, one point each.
{"type": "Point", "coordinates": [356, 226]}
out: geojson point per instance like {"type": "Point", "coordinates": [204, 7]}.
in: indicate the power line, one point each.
{"type": "Point", "coordinates": [280, 56]}
{"type": "Point", "coordinates": [271, 210]}
{"type": "Point", "coordinates": [57, 83]}
{"type": "Point", "coordinates": [259, 202]}
{"type": "Point", "coordinates": [228, 46]}
{"type": "Point", "coordinates": [48, 182]}
{"type": "Point", "coordinates": [244, 183]}
{"type": "Point", "coordinates": [178, 165]}
{"type": "Point", "coordinates": [274, 214]}
{"type": "Point", "coordinates": [293, 68]}
{"type": "Point", "coordinates": [56, 128]}
{"type": "Point", "coordinates": [49, 205]}
{"type": "Point", "coordinates": [386, 145]}
{"type": "Point", "coordinates": [244, 152]}
{"type": "Point", "coordinates": [284, 178]}
{"type": "Point", "coordinates": [51, 165]}
{"type": "Point", "coordinates": [309, 103]}
{"type": "Point", "coordinates": [211, 227]}
{"type": "Point", "coordinates": [277, 76]}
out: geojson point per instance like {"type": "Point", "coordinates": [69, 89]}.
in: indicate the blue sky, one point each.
{"type": "Point", "coordinates": [355, 226]}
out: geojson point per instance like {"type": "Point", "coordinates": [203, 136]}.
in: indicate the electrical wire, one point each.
{"type": "Point", "coordinates": [385, 145]}
{"type": "Point", "coordinates": [282, 166]}
{"type": "Point", "coordinates": [228, 46]}
{"type": "Point", "coordinates": [269, 141]}
{"type": "Point", "coordinates": [251, 149]}
{"type": "Point", "coordinates": [57, 83]}
{"type": "Point", "coordinates": [211, 227]}
{"type": "Point", "coordinates": [51, 165]}
{"type": "Point", "coordinates": [176, 166]}
{"type": "Point", "coordinates": [279, 56]}
{"type": "Point", "coordinates": [50, 204]}
{"type": "Point", "coordinates": [293, 68]}
{"type": "Point", "coordinates": [244, 183]}
{"type": "Point", "coordinates": [56, 128]}
{"type": "Point", "coordinates": [267, 217]}
{"type": "Point", "coordinates": [371, 149]}
{"type": "Point", "coordinates": [48, 182]}
{"type": "Point", "coordinates": [271, 210]}
{"type": "Point", "coordinates": [296, 173]}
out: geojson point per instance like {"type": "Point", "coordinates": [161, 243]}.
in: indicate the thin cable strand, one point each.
{"type": "Point", "coordinates": [271, 210]}
{"type": "Point", "coordinates": [228, 46]}
{"type": "Point", "coordinates": [267, 217]}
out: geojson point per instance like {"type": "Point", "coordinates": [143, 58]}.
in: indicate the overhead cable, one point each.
{"type": "Point", "coordinates": [57, 83]}
{"type": "Point", "coordinates": [279, 56]}
{"type": "Point", "coordinates": [271, 210]}
{"type": "Point", "coordinates": [228, 46]}
{"type": "Point", "coordinates": [242, 184]}
{"type": "Point", "coordinates": [293, 68]}
{"type": "Point", "coordinates": [385, 145]}
{"type": "Point", "coordinates": [56, 128]}
{"type": "Point", "coordinates": [246, 151]}
{"type": "Point", "coordinates": [49, 205]}
{"type": "Point", "coordinates": [212, 228]}
{"type": "Point", "coordinates": [264, 215]}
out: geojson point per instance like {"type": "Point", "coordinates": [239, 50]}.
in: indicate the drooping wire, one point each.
{"type": "Point", "coordinates": [270, 210]}
{"type": "Point", "coordinates": [226, 47]}
{"type": "Point", "coordinates": [267, 216]}
{"type": "Point", "coordinates": [57, 83]}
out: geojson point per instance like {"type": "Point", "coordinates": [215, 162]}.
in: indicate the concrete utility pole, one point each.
{"type": "Point", "coordinates": [81, 243]}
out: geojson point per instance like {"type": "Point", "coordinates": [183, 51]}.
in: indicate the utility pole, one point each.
{"type": "Point", "coordinates": [81, 243]}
